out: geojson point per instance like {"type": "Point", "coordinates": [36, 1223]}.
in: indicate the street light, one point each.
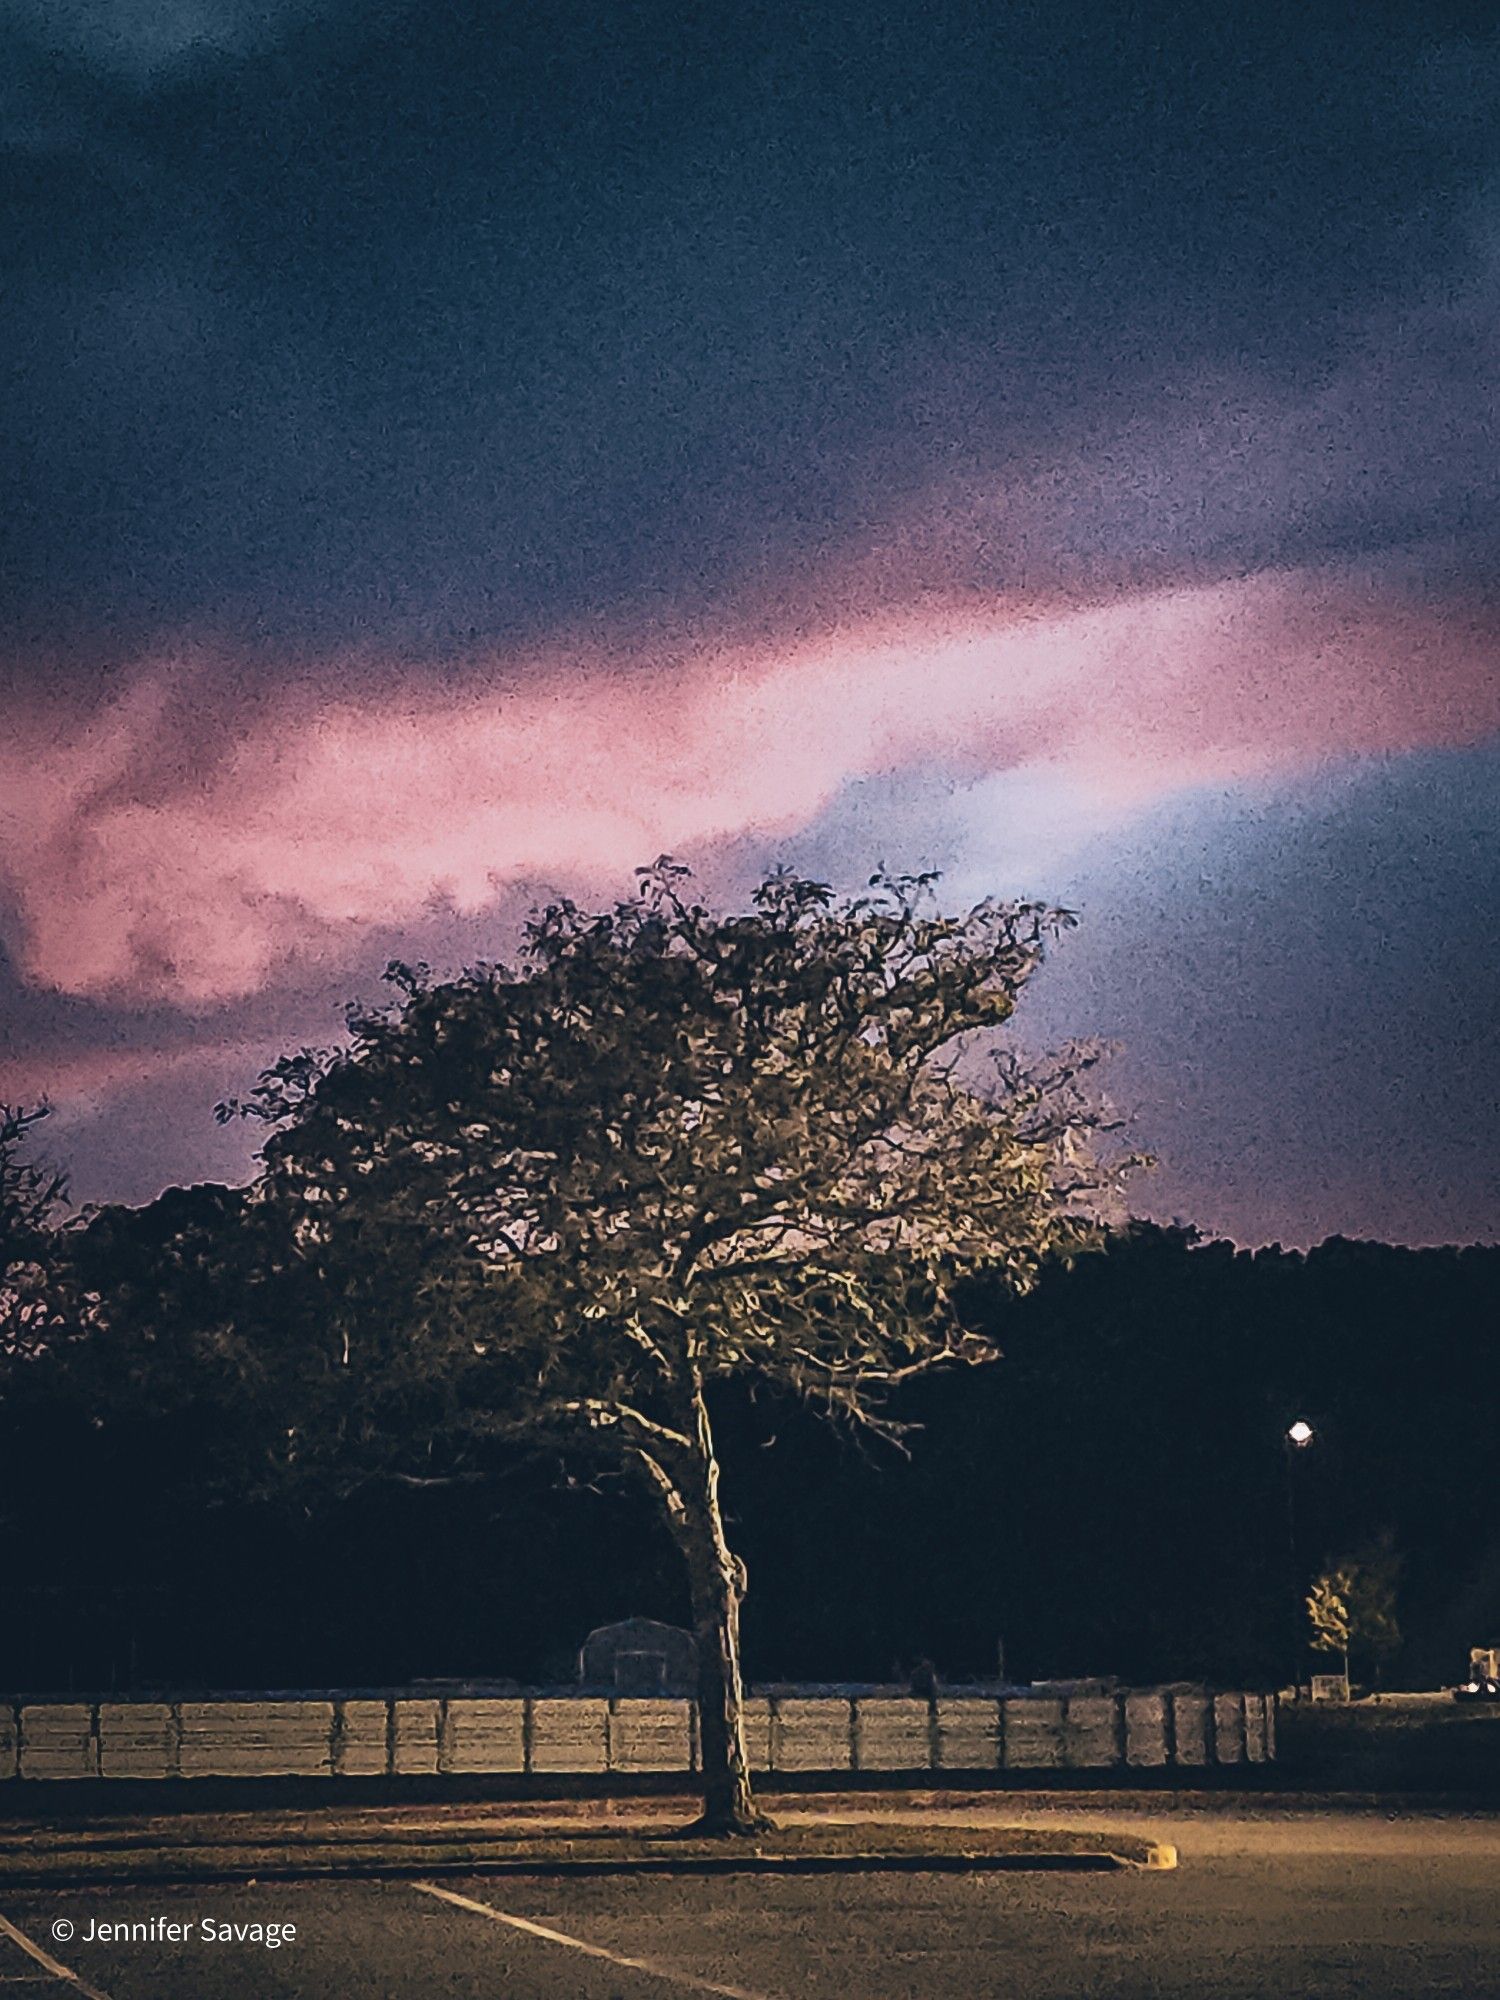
{"type": "Point", "coordinates": [1299, 1436]}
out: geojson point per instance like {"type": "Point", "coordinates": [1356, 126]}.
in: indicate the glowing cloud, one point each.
{"type": "Point", "coordinates": [145, 869]}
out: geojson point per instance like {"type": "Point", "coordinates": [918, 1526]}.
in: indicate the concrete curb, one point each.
{"type": "Point", "coordinates": [164, 1866]}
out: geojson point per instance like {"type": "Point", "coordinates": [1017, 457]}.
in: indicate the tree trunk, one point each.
{"type": "Point", "coordinates": [718, 1584]}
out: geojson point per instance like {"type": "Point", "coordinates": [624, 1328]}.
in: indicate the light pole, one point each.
{"type": "Point", "coordinates": [1298, 1437]}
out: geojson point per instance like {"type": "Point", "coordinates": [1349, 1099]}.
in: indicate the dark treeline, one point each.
{"type": "Point", "coordinates": [1112, 1496]}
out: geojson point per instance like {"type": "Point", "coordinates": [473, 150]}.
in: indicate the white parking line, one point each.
{"type": "Point", "coordinates": [589, 1950]}
{"type": "Point", "coordinates": [48, 1963]}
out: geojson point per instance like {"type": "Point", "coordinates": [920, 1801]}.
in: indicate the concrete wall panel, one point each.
{"type": "Point", "coordinates": [1190, 1722]}
{"type": "Point", "coordinates": [569, 1735]}
{"type": "Point", "coordinates": [1255, 1729]}
{"type": "Point", "coordinates": [892, 1735]}
{"type": "Point", "coordinates": [57, 1741]}
{"type": "Point", "coordinates": [1229, 1728]}
{"type": "Point", "coordinates": [1033, 1733]}
{"type": "Point", "coordinates": [137, 1739]}
{"type": "Point", "coordinates": [650, 1735]}
{"type": "Point", "coordinates": [812, 1734]}
{"type": "Point", "coordinates": [487, 1735]}
{"type": "Point", "coordinates": [1145, 1729]}
{"type": "Point", "coordinates": [1091, 1731]}
{"type": "Point", "coordinates": [758, 1731]}
{"type": "Point", "coordinates": [968, 1733]}
{"type": "Point", "coordinates": [9, 1742]}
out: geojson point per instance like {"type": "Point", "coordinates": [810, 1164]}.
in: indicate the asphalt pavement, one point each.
{"type": "Point", "coordinates": [1274, 1906]}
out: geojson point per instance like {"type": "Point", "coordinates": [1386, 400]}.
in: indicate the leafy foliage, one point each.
{"type": "Point", "coordinates": [1352, 1607]}
{"type": "Point", "coordinates": [34, 1298]}
{"type": "Point", "coordinates": [1328, 1611]}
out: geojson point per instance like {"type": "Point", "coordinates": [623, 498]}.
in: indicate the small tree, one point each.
{"type": "Point", "coordinates": [1328, 1614]}
{"type": "Point", "coordinates": [560, 1203]}
{"type": "Point", "coordinates": [1352, 1607]}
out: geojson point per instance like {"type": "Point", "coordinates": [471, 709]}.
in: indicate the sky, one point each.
{"type": "Point", "coordinates": [455, 455]}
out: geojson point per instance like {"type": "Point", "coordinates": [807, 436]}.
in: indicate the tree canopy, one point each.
{"type": "Point", "coordinates": [1352, 1605]}
{"type": "Point", "coordinates": [33, 1197]}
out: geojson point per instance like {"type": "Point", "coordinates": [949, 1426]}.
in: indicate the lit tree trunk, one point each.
{"type": "Point", "coordinates": [717, 1581]}
{"type": "Point", "coordinates": [686, 1483]}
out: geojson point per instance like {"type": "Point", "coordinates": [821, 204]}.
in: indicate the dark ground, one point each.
{"type": "Point", "coordinates": [1266, 1903]}
{"type": "Point", "coordinates": [1403, 1743]}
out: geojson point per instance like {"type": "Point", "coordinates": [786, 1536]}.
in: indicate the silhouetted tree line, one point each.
{"type": "Point", "coordinates": [1111, 1496]}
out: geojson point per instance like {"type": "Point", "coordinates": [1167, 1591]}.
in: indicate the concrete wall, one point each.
{"type": "Point", "coordinates": [373, 1736]}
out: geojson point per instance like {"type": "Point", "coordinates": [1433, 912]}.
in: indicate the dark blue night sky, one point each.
{"type": "Point", "coordinates": [454, 455]}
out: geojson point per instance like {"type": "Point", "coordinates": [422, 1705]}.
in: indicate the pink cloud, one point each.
{"type": "Point", "coordinates": [187, 841]}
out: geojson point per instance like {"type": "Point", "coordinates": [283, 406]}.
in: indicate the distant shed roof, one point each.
{"type": "Point", "coordinates": [639, 1656]}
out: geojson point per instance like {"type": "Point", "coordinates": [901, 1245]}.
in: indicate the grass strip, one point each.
{"type": "Point", "coordinates": [798, 1848]}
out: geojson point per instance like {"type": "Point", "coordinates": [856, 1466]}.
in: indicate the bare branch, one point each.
{"type": "Point", "coordinates": [603, 1416]}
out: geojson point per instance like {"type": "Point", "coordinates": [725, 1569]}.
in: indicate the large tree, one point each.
{"type": "Point", "coordinates": [562, 1201]}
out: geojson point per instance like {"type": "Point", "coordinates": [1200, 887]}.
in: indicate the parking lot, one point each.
{"type": "Point", "coordinates": [1265, 1904]}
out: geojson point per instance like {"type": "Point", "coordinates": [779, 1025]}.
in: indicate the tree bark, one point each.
{"type": "Point", "coordinates": [717, 1579]}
